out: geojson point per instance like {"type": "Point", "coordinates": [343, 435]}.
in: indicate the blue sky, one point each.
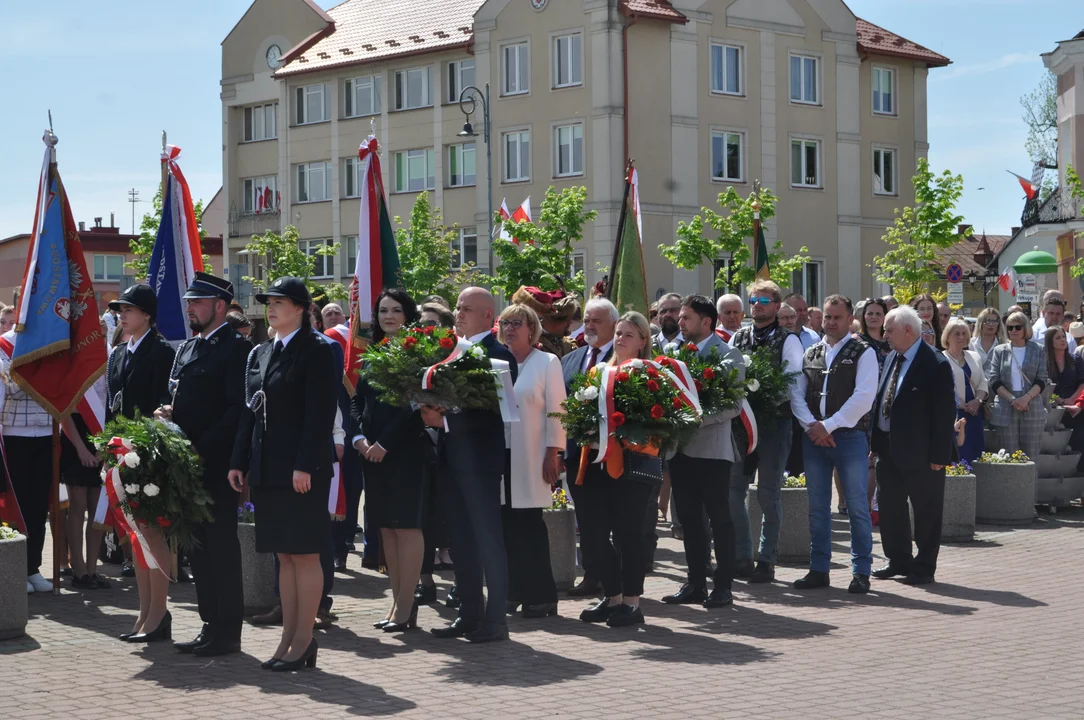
{"type": "Point", "coordinates": [115, 74]}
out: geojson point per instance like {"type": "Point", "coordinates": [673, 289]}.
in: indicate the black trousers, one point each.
{"type": "Point", "coordinates": [30, 462]}
{"type": "Point", "coordinates": [926, 490]}
{"type": "Point", "coordinates": [703, 485]}
{"type": "Point", "coordinates": [795, 461]}
{"type": "Point", "coordinates": [216, 563]}
{"type": "Point", "coordinates": [572, 467]}
{"type": "Point", "coordinates": [527, 543]}
{"type": "Point", "coordinates": [651, 520]}
{"type": "Point", "coordinates": [614, 506]}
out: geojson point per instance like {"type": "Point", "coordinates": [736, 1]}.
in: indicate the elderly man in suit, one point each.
{"type": "Point", "coordinates": [700, 471]}
{"type": "Point", "coordinates": [913, 441]}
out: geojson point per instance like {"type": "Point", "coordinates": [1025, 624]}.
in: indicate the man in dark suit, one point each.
{"type": "Point", "coordinates": [913, 442]}
{"type": "Point", "coordinates": [599, 321]}
{"type": "Point", "coordinates": [472, 461]}
{"type": "Point", "coordinates": [208, 390]}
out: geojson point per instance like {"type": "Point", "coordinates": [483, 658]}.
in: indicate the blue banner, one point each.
{"type": "Point", "coordinates": [165, 273]}
{"type": "Point", "coordinates": [46, 327]}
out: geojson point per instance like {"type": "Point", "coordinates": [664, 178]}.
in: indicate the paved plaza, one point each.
{"type": "Point", "coordinates": [997, 636]}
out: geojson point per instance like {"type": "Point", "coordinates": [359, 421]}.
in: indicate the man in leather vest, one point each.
{"type": "Point", "coordinates": [839, 384]}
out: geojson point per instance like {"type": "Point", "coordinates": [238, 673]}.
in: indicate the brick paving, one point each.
{"type": "Point", "coordinates": [996, 637]}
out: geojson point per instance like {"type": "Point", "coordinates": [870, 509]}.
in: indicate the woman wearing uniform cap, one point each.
{"type": "Point", "coordinates": [138, 374]}
{"type": "Point", "coordinates": [284, 452]}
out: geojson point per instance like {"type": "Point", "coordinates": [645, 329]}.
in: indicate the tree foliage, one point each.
{"type": "Point", "coordinates": [429, 254]}
{"type": "Point", "coordinates": [143, 246]}
{"type": "Point", "coordinates": [1076, 192]}
{"type": "Point", "coordinates": [1040, 114]}
{"type": "Point", "coordinates": [282, 256]}
{"type": "Point", "coordinates": [542, 252]}
{"type": "Point", "coordinates": [921, 233]}
{"type": "Point", "coordinates": [731, 235]}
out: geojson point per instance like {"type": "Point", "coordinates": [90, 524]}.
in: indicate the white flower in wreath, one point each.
{"type": "Point", "coordinates": [131, 489]}
{"type": "Point", "coordinates": [478, 352]}
{"type": "Point", "coordinates": [150, 490]}
{"type": "Point", "coordinates": [637, 363]}
{"type": "Point", "coordinates": [131, 459]}
{"type": "Point", "coordinates": [753, 385]}
{"type": "Point", "coordinates": [748, 360]}
{"type": "Point", "coordinates": [587, 394]}
{"type": "Point", "coordinates": [671, 347]}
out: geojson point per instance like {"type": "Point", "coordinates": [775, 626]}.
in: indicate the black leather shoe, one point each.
{"type": "Point", "coordinates": [203, 638]}
{"type": "Point", "coordinates": [453, 600]}
{"type": "Point", "coordinates": [127, 570]}
{"type": "Point", "coordinates": [340, 564]}
{"type": "Point", "coordinates": [411, 623]}
{"type": "Point", "coordinates": [588, 587]}
{"type": "Point", "coordinates": [307, 660]}
{"type": "Point", "coordinates": [687, 595]}
{"type": "Point", "coordinates": [743, 569]}
{"type": "Point", "coordinates": [540, 610]}
{"type": "Point", "coordinates": [764, 573]}
{"type": "Point", "coordinates": [720, 597]}
{"type": "Point", "coordinates": [226, 643]}
{"type": "Point", "coordinates": [511, 607]}
{"type": "Point", "coordinates": [626, 615]}
{"type": "Point", "coordinates": [599, 612]}
{"type": "Point", "coordinates": [164, 631]}
{"type": "Point", "coordinates": [488, 634]}
{"type": "Point", "coordinates": [859, 584]}
{"type": "Point", "coordinates": [888, 571]}
{"type": "Point", "coordinates": [913, 579]}
{"type": "Point", "coordinates": [183, 576]}
{"type": "Point", "coordinates": [458, 628]}
{"type": "Point", "coordinates": [812, 579]}
{"type": "Point", "coordinates": [425, 594]}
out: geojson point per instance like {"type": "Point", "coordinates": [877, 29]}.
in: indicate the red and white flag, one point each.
{"type": "Point", "coordinates": [522, 214]}
{"type": "Point", "coordinates": [1030, 189]}
{"type": "Point", "coordinates": [1007, 280]}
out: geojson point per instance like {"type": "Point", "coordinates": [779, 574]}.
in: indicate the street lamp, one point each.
{"type": "Point", "coordinates": [468, 102]}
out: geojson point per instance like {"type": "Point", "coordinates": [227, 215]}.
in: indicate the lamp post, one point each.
{"type": "Point", "coordinates": [468, 102]}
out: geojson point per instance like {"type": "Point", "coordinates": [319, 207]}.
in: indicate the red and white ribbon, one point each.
{"type": "Point", "coordinates": [114, 488]}
{"type": "Point", "coordinates": [462, 345]}
{"type": "Point", "coordinates": [336, 500]}
{"type": "Point", "coordinates": [749, 421]}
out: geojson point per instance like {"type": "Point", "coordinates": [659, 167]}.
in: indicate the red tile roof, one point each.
{"type": "Point", "coordinates": [963, 252]}
{"type": "Point", "coordinates": [654, 9]}
{"type": "Point", "coordinates": [875, 40]}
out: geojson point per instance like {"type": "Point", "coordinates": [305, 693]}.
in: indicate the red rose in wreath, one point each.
{"type": "Point", "coordinates": [134, 504]}
{"type": "Point", "coordinates": [652, 386]}
{"type": "Point", "coordinates": [617, 419]}
{"type": "Point", "coordinates": [652, 372]}
{"type": "Point", "coordinates": [699, 385]}
{"type": "Point", "coordinates": [677, 403]}
{"type": "Point", "coordinates": [384, 341]}
{"type": "Point", "coordinates": [709, 373]}
{"type": "Point", "coordinates": [622, 376]}
{"type": "Point", "coordinates": [164, 522]}
{"type": "Point", "coordinates": [691, 347]}
{"type": "Point", "coordinates": [657, 412]}
{"type": "Point", "coordinates": [447, 343]}
{"type": "Point", "coordinates": [427, 330]}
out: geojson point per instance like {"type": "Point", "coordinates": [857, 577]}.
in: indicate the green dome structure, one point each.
{"type": "Point", "coordinates": [1036, 262]}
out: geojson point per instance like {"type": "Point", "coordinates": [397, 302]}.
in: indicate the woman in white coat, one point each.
{"type": "Point", "coordinates": [528, 486]}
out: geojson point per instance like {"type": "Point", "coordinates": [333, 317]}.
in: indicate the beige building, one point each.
{"type": "Point", "coordinates": [827, 110]}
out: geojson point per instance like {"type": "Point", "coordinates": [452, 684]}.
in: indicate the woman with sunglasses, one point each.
{"type": "Point", "coordinates": [1017, 371]}
{"type": "Point", "coordinates": [989, 332]}
{"type": "Point", "coordinates": [926, 307]}
{"type": "Point", "coordinates": [929, 334]}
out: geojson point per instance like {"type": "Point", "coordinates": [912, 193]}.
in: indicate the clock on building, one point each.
{"type": "Point", "coordinates": [274, 57]}
{"type": "Point", "coordinates": [539, 4]}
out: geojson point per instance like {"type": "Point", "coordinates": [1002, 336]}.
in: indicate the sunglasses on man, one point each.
{"type": "Point", "coordinates": [762, 300]}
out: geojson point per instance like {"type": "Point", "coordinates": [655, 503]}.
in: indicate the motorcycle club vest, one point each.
{"type": "Point", "coordinates": [841, 378]}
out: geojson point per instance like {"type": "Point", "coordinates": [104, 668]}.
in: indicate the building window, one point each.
{"type": "Point", "coordinates": [727, 155]}
{"type": "Point", "coordinates": [362, 96]}
{"type": "Point", "coordinates": [568, 60]}
{"type": "Point", "coordinates": [884, 98]}
{"type": "Point", "coordinates": [579, 263]}
{"type": "Point", "coordinates": [414, 170]}
{"type": "Point", "coordinates": [412, 89]}
{"type": "Point", "coordinates": [313, 104]}
{"type": "Point", "coordinates": [517, 68]}
{"type": "Point", "coordinates": [726, 69]}
{"type": "Point", "coordinates": [108, 268]}
{"type": "Point", "coordinates": [261, 122]}
{"type": "Point", "coordinates": [323, 266]}
{"type": "Point", "coordinates": [351, 242]}
{"type": "Point", "coordinates": [517, 156]}
{"type": "Point", "coordinates": [313, 182]}
{"type": "Point", "coordinates": [809, 280]}
{"type": "Point", "coordinates": [805, 165]}
{"type": "Point", "coordinates": [884, 171]}
{"type": "Point", "coordinates": [261, 194]}
{"type": "Point", "coordinates": [805, 79]}
{"type": "Point", "coordinates": [568, 150]}
{"type": "Point", "coordinates": [462, 170]}
{"type": "Point", "coordinates": [460, 76]}
{"type": "Point", "coordinates": [351, 177]}
{"type": "Point", "coordinates": [724, 269]}
{"type": "Point", "coordinates": [465, 248]}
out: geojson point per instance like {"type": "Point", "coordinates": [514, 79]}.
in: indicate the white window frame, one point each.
{"type": "Point", "coordinates": [892, 96]}
{"type": "Point", "coordinates": [573, 52]}
{"type": "Point", "coordinates": [105, 275]}
{"type": "Point", "coordinates": [722, 89]}
{"type": "Point", "coordinates": [304, 174]}
{"type": "Point", "coordinates": [350, 245]}
{"type": "Point", "coordinates": [302, 93]}
{"type": "Point", "coordinates": [521, 59]}
{"type": "Point", "coordinates": [252, 187]}
{"type": "Point", "coordinates": [353, 87]}
{"type": "Point", "coordinates": [893, 176]}
{"type": "Point", "coordinates": [401, 101]}
{"type": "Point", "coordinates": [816, 267]}
{"type": "Point", "coordinates": [505, 137]}
{"type": "Point", "coordinates": [461, 150]}
{"type": "Point", "coordinates": [802, 87]}
{"type": "Point", "coordinates": [406, 159]}
{"type": "Point", "coordinates": [558, 144]}
{"type": "Point", "coordinates": [725, 134]}
{"type": "Point", "coordinates": [579, 262]}
{"type": "Point", "coordinates": [351, 174]}
{"type": "Point", "coordinates": [456, 80]}
{"type": "Point", "coordinates": [268, 116]}
{"type": "Point", "coordinates": [460, 247]}
{"type": "Point", "coordinates": [719, 264]}
{"type": "Point", "coordinates": [804, 170]}
{"type": "Point", "coordinates": [318, 273]}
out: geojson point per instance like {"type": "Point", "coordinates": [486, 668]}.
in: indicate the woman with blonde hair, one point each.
{"type": "Point", "coordinates": [970, 383]}
{"type": "Point", "coordinates": [989, 331]}
{"type": "Point", "coordinates": [1017, 378]}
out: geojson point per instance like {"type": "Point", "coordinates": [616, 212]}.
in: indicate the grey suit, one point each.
{"type": "Point", "coordinates": [1017, 430]}
{"type": "Point", "coordinates": [714, 440]}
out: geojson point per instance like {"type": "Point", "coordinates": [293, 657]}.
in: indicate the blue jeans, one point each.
{"type": "Point", "coordinates": [850, 457]}
{"type": "Point", "coordinates": [773, 448]}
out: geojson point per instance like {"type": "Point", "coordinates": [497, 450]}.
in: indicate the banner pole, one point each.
{"type": "Point", "coordinates": [60, 541]}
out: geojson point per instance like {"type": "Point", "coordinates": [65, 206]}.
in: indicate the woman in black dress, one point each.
{"type": "Point", "coordinates": [395, 452]}
{"type": "Point", "coordinates": [138, 373]}
{"type": "Point", "coordinates": [284, 451]}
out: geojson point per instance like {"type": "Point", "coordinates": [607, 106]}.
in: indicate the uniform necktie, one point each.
{"type": "Point", "coordinates": [276, 350]}
{"type": "Point", "coordinates": [593, 359]}
{"type": "Point", "coordinates": [890, 390]}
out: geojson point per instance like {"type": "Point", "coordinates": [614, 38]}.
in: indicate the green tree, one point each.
{"type": "Point", "coordinates": [143, 245]}
{"type": "Point", "coordinates": [1040, 114]}
{"type": "Point", "coordinates": [428, 254]}
{"type": "Point", "coordinates": [542, 253]}
{"type": "Point", "coordinates": [285, 258]}
{"type": "Point", "coordinates": [730, 236]}
{"type": "Point", "coordinates": [1076, 192]}
{"type": "Point", "coordinates": [921, 233]}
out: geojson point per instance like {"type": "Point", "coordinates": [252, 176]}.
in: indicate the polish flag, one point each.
{"type": "Point", "coordinates": [1030, 189]}
{"type": "Point", "coordinates": [1007, 281]}
{"type": "Point", "coordinates": [522, 214]}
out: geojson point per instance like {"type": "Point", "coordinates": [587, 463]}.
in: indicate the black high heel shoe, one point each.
{"type": "Point", "coordinates": [270, 664]}
{"type": "Point", "coordinates": [164, 631]}
{"type": "Point", "coordinates": [410, 624]}
{"type": "Point", "coordinates": [307, 659]}
{"type": "Point", "coordinates": [379, 624]}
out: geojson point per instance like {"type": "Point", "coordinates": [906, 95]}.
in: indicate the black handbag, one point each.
{"type": "Point", "coordinates": [642, 468]}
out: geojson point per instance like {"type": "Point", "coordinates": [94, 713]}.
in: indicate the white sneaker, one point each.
{"type": "Point", "coordinates": [39, 583]}
{"type": "Point", "coordinates": [29, 587]}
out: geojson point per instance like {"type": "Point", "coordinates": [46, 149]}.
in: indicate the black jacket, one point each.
{"type": "Point", "coordinates": [140, 383]}
{"type": "Point", "coordinates": [399, 430]}
{"type": "Point", "coordinates": [300, 390]}
{"type": "Point", "coordinates": [209, 397]}
{"type": "Point", "coordinates": [571, 366]}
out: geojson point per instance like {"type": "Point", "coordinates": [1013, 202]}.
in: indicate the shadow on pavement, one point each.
{"type": "Point", "coordinates": [997, 597]}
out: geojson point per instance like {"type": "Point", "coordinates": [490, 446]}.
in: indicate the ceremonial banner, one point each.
{"type": "Point", "coordinates": [177, 253]}
{"type": "Point", "coordinates": [628, 283]}
{"type": "Point", "coordinates": [377, 256]}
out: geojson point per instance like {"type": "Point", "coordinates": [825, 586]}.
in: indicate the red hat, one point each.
{"type": "Point", "coordinates": [541, 301]}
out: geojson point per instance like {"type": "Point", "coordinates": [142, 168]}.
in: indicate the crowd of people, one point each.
{"type": "Point", "coordinates": [883, 398]}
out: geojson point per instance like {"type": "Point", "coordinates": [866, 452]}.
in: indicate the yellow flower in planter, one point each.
{"type": "Point", "coordinates": [794, 482]}
{"type": "Point", "coordinates": [560, 500]}
{"type": "Point", "coordinates": [8, 533]}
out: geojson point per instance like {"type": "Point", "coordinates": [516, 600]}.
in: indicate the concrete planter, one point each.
{"type": "Point", "coordinates": [1053, 418]}
{"type": "Point", "coordinates": [561, 526]}
{"type": "Point", "coordinates": [793, 525]}
{"type": "Point", "coordinates": [1054, 442]}
{"type": "Point", "coordinates": [1056, 466]}
{"type": "Point", "coordinates": [958, 519]}
{"type": "Point", "coordinates": [257, 572]}
{"type": "Point", "coordinates": [13, 609]}
{"type": "Point", "coordinates": [1005, 493]}
{"type": "Point", "coordinates": [1058, 491]}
